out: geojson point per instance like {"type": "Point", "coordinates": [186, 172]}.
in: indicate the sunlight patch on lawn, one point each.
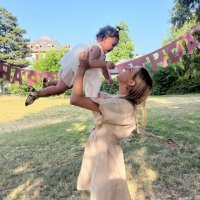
{"type": "Point", "coordinates": [174, 107]}
{"type": "Point", "coordinates": [133, 188]}
{"type": "Point", "coordinates": [158, 100]}
{"type": "Point", "coordinates": [77, 127]}
{"type": "Point", "coordinates": [141, 176]}
{"type": "Point", "coordinates": [21, 169]}
{"type": "Point", "coordinates": [26, 191]}
{"type": "Point", "coordinates": [13, 108]}
{"type": "Point", "coordinates": [146, 174]}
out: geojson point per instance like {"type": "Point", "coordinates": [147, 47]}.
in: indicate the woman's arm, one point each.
{"type": "Point", "coordinates": [77, 97]}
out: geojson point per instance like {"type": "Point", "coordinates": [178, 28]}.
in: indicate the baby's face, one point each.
{"type": "Point", "coordinates": [109, 43]}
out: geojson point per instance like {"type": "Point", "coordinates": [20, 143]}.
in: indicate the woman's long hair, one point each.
{"type": "Point", "coordinates": [141, 90]}
{"type": "Point", "coordinates": [143, 85]}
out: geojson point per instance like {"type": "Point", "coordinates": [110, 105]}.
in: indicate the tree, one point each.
{"type": "Point", "coordinates": [124, 50]}
{"type": "Point", "coordinates": [49, 62]}
{"type": "Point", "coordinates": [13, 47]}
{"type": "Point", "coordinates": [185, 15]}
{"type": "Point", "coordinates": [174, 32]}
{"type": "Point", "coordinates": [185, 10]}
{"type": "Point", "coordinates": [187, 67]}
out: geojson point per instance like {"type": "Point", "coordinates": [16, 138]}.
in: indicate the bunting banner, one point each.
{"type": "Point", "coordinates": [158, 57]}
{"type": "Point", "coordinates": [14, 74]}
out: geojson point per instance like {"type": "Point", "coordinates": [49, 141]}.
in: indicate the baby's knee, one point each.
{"type": "Point", "coordinates": [60, 91]}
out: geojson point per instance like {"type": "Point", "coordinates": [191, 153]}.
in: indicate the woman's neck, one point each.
{"type": "Point", "coordinates": [122, 91]}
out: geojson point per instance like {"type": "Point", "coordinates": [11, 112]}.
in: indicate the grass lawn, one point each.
{"type": "Point", "coordinates": [41, 148]}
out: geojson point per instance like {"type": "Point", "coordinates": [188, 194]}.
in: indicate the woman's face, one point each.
{"type": "Point", "coordinates": [127, 74]}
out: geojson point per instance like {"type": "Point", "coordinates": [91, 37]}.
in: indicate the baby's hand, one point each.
{"type": "Point", "coordinates": [110, 65]}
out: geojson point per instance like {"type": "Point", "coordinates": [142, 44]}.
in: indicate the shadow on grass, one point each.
{"type": "Point", "coordinates": [42, 159]}
{"type": "Point", "coordinates": [159, 170]}
{"type": "Point", "coordinates": [43, 162]}
{"type": "Point", "coordinates": [48, 160]}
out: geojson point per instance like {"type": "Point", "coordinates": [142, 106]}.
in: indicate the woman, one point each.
{"type": "Point", "coordinates": [103, 170]}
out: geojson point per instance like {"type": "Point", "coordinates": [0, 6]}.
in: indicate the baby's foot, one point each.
{"type": "Point", "coordinates": [33, 95]}
{"type": "Point", "coordinates": [46, 82]}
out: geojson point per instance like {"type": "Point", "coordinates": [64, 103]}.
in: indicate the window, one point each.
{"type": "Point", "coordinates": [49, 46]}
{"type": "Point", "coordinates": [37, 47]}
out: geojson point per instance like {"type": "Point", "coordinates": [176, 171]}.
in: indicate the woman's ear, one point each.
{"type": "Point", "coordinates": [131, 83]}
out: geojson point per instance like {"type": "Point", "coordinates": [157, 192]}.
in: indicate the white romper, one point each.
{"type": "Point", "coordinates": [69, 67]}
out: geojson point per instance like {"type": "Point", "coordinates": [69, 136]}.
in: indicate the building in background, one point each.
{"type": "Point", "coordinates": [41, 45]}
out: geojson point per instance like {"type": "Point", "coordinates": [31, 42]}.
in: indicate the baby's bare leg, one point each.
{"type": "Point", "coordinates": [57, 89]}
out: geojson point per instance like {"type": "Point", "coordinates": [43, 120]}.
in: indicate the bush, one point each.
{"type": "Point", "coordinates": [19, 89]}
{"type": "Point", "coordinates": [184, 86]}
{"type": "Point", "coordinates": [163, 79]}
{"type": "Point", "coordinates": [167, 81]}
{"type": "Point", "coordinates": [110, 89]}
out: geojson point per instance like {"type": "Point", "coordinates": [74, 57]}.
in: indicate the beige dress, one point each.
{"type": "Point", "coordinates": [103, 170]}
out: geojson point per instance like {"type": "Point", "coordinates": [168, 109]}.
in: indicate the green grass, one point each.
{"type": "Point", "coordinates": [41, 148]}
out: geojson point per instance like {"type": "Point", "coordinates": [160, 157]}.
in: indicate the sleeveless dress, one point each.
{"type": "Point", "coordinates": [69, 67]}
{"type": "Point", "coordinates": [103, 169]}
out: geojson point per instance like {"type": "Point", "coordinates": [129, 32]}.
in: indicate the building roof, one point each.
{"type": "Point", "coordinates": [45, 43]}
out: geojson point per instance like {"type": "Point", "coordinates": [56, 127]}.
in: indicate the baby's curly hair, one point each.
{"type": "Point", "coordinates": [108, 31]}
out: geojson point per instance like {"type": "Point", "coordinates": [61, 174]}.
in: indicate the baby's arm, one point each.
{"type": "Point", "coordinates": [94, 54]}
{"type": "Point", "coordinates": [107, 75]}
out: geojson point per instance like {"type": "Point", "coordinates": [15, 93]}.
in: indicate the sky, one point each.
{"type": "Point", "coordinates": [78, 21]}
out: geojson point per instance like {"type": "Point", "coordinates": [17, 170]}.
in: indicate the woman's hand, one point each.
{"type": "Point", "coordinates": [84, 59]}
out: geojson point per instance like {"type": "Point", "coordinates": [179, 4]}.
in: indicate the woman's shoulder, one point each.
{"type": "Point", "coordinates": [117, 111]}
{"type": "Point", "coordinates": [115, 102]}
{"type": "Point", "coordinates": [124, 103]}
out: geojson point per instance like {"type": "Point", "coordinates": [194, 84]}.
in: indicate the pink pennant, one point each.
{"type": "Point", "coordinates": [178, 49]}
{"type": "Point", "coordinates": [190, 41]}
{"type": "Point", "coordinates": [155, 61]}
{"type": "Point", "coordinates": [138, 61]}
{"type": "Point", "coordinates": [17, 76]}
{"type": "Point", "coordinates": [4, 72]}
{"type": "Point", "coordinates": [33, 77]}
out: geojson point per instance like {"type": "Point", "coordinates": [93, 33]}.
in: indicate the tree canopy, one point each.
{"type": "Point", "coordinates": [125, 48]}
{"type": "Point", "coordinates": [174, 32]}
{"type": "Point", "coordinates": [49, 62]}
{"type": "Point", "coordinates": [185, 10]}
{"type": "Point", "coordinates": [13, 47]}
